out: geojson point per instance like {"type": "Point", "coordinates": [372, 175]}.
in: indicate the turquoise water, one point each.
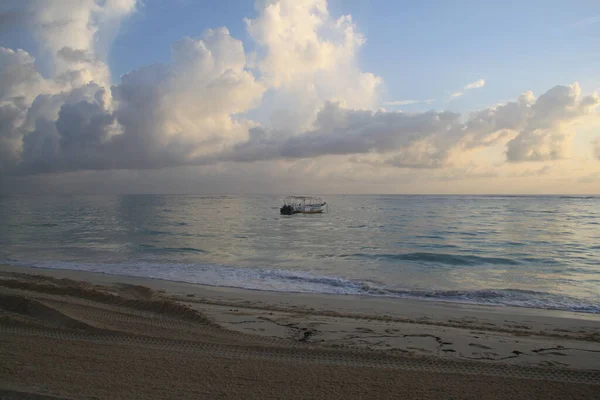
{"type": "Point", "coordinates": [540, 252]}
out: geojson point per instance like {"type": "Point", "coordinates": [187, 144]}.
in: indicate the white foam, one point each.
{"type": "Point", "coordinates": [303, 282]}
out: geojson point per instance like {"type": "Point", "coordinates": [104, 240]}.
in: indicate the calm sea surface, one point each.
{"type": "Point", "coordinates": [540, 252]}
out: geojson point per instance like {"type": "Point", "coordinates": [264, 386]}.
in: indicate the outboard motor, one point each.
{"type": "Point", "coordinates": [286, 210]}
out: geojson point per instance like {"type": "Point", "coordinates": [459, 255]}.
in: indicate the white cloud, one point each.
{"type": "Point", "coordinates": [308, 57]}
{"type": "Point", "coordinates": [533, 130]}
{"type": "Point", "coordinates": [474, 85]}
{"type": "Point", "coordinates": [77, 26]}
{"type": "Point", "coordinates": [194, 110]}
{"type": "Point", "coordinates": [70, 36]}
{"type": "Point", "coordinates": [456, 94]}
{"type": "Point", "coordinates": [20, 83]}
{"type": "Point", "coordinates": [548, 134]}
{"type": "Point", "coordinates": [158, 115]}
{"type": "Point", "coordinates": [342, 131]}
{"type": "Point", "coordinates": [160, 119]}
{"type": "Point", "coordinates": [407, 102]}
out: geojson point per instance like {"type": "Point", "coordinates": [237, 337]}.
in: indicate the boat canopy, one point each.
{"type": "Point", "coordinates": [303, 201]}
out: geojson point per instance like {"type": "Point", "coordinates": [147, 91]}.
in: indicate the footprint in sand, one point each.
{"type": "Point", "coordinates": [489, 354]}
{"type": "Point", "coordinates": [364, 330]}
{"type": "Point", "coordinates": [479, 346]}
{"type": "Point", "coordinates": [464, 320]}
{"type": "Point", "coordinates": [419, 349]}
{"type": "Point", "coordinates": [397, 350]}
{"type": "Point", "coordinates": [552, 364]}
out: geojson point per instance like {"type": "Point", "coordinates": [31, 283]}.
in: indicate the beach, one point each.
{"type": "Point", "coordinates": [282, 199]}
{"type": "Point", "coordinates": [76, 334]}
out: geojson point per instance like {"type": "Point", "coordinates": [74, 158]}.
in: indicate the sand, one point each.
{"type": "Point", "coordinates": [72, 334]}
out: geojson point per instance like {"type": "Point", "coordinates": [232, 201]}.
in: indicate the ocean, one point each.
{"type": "Point", "coordinates": [526, 251]}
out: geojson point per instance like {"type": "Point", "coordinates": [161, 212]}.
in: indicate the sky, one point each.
{"type": "Point", "coordinates": [283, 96]}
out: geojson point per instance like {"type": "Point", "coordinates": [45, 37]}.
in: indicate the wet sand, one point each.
{"type": "Point", "coordinates": [72, 334]}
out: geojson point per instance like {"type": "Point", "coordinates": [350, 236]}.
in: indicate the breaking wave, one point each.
{"type": "Point", "coordinates": [440, 258]}
{"type": "Point", "coordinates": [302, 282]}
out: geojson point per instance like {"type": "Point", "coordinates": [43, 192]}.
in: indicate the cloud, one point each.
{"type": "Point", "coordinates": [182, 113]}
{"type": "Point", "coordinates": [407, 102]}
{"type": "Point", "coordinates": [196, 109]}
{"type": "Point", "coordinates": [341, 131]}
{"type": "Point", "coordinates": [475, 85]}
{"type": "Point", "coordinates": [80, 24]}
{"type": "Point", "coordinates": [427, 140]}
{"type": "Point", "coordinates": [20, 82]}
{"type": "Point", "coordinates": [545, 170]}
{"type": "Point", "coordinates": [590, 178]}
{"type": "Point", "coordinates": [547, 133]}
{"type": "Point", "coordinates": [167, 114]}
{"type": "Point", "coordinates": [307, 57]}
{"type": "Point", "coordinates": [596, 145]}
{"type": "Point", "coordinates": [469, 172]}
{"type": "Point", "coordinates": [188, 111]}
{"type": "Point", "coordinates": [69, 35]}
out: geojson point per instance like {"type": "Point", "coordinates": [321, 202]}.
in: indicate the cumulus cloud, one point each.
{"type": "Point", "coordinates": [73, 36]}
{"type": "Point", "coordinates": [166, 114]}
{"type": "Point", "coordinates": [342, 131]}
{"type": "Point", "coordinates": [78, 24]}
{"type": "Point", "coordinates": [20, 82]}
{"type": "Point", "coordinates": [474, 85]}
{"type": "Point", "coordinates": [456, 94]}
{"type": "Point", "coordinates": [309, 57]}
{"type": "Point", "coordinates": [427, 140]}
{"type": "Point", "coordinates": [194, 109]}
{"type": "Point", "coordinates": [175, 113]}
{"type": "Point", "coordinates": [182, 112]}
{"type": "Point", "coordinates": [70, 35]}
{"type": "Point", "coordinates": [547, 133]}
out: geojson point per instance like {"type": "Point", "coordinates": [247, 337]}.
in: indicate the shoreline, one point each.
{"type": "Point", "coordinates": [430, 312]}
{"type": "Point", "coordinates": [257, 340]}
{"type": "Point", "coordinates": [440, 302]}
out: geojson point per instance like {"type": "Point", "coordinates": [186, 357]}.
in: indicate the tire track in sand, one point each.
{"type": "Point", "coordinates": [167, 327]}
{"type": "Point", "coordinates": [311, 355]}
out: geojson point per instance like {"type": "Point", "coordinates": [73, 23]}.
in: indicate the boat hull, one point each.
{"type": "Point", "coordinates": [302, 205]}
{"type": "Point", "coordinates": [287, 210]}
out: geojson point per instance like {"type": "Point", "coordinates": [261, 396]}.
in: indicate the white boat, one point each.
{"type": "Point", "coordinates": [303, 205]}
